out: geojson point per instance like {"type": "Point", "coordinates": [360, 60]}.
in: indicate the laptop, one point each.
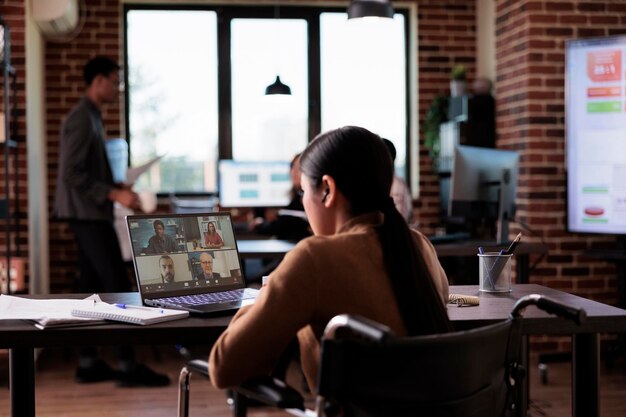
{"type": "Point", "coordinates": [188, 262]}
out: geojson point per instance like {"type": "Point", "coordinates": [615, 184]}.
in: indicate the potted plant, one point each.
{"type": "Point", "coordinates": [458, 80]}
{"type": "Point", "coordinates": [436, 115]}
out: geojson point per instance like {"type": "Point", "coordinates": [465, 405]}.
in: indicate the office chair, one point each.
{"type": "Point", "coordinates": [366, 371]}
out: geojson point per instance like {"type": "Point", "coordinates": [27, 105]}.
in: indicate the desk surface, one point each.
{"type": "Point", "coordinates": [274, 247]}
{"type": "Point", "coordinates": [22, 337]}
{"type": "Point", "coordinates": [193, 330]}
{"type": "Point", "coordinates": [601, 318]}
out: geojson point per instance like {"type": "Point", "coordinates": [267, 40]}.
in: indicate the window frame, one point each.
{"type": "Point", "coordinates": [225, 14]}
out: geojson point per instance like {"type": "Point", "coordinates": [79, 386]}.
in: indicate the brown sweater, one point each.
{"type": "Point", "coordinates": [323, 276]}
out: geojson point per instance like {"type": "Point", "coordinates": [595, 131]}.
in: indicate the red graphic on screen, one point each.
{"type": "Point", "coordinates": [594, 211]}
{"type": "Point", "coordinates": [604, 65]}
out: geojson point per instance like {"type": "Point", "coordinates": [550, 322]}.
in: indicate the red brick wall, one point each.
{"type": "Point", "coordinates": [12, 11]}
{"type": "Point", "coordinates": [446, 37]}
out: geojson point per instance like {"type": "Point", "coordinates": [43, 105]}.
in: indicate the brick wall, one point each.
{"type": "Point", "coordinates": [446, 37]}
{"type": "Point", "coordinates": [12, 12]}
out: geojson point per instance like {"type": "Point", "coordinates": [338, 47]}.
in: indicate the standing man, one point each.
{"type": "Point", "coordinates": [85, 195]}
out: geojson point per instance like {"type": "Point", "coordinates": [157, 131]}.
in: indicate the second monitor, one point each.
{"type": "Point", "coordinates": [254, 183]}
{"type": "Point", "coordinates": [483, 186]}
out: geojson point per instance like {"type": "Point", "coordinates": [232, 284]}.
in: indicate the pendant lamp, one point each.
{"type": "Point", "coordinates": [277, 87]}
{"type": "Point", "coordinates": [370, 8]}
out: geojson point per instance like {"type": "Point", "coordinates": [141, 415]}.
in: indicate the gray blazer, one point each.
{"type": "Point", "coordinates": [84, 178]}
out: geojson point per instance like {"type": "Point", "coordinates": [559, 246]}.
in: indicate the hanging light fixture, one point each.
{"type": "Point", "coordinates": [370, 8]}
{"type": "Point", "coordinates": [277, 87]}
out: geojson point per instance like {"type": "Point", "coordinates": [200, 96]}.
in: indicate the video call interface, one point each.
{"type": "Point", "coordinates": [179, 252]}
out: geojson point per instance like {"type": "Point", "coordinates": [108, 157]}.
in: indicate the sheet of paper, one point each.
{"type": "Point", "coordinates": [134, 172]}
{"type": "Point", "coordinates": [43, 311]}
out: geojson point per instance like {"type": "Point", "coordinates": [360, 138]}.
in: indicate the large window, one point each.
{"type": "Point", "coordinates": [196, 79]}
{"type": "Point", "coordinates": [172, 97]}
{"type": "Point", "coordinates": [272, 127]}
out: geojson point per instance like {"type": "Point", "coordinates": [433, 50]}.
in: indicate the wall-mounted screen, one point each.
{"type": "Point", "coordinates": [254, 184]}
{"type": "Point", "coordinates": [595, 81]}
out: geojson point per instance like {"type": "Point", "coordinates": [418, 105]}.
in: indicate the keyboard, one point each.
{"type": "Point", "coordinates": [210, 298]}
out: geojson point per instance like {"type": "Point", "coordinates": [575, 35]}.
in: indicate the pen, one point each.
{"type": "Point", "coordinates": [511, 248]}
{"type": "Point", "coordinates": [128, 306]}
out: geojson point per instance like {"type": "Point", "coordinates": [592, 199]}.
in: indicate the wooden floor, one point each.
{"type": "Point", "coordinates": [58, 395]}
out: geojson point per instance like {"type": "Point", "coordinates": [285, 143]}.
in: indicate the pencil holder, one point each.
{"type": "Point", "coordinates": [494, 272]}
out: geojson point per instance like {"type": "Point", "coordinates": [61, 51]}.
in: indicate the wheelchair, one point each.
{"type": "Point", "coordinates": [366, 371]}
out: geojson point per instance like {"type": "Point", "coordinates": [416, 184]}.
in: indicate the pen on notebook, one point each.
{"type": "Point", "coordinates": [128, 306]}
{"type": "Point", "coordinates": [511, 248]}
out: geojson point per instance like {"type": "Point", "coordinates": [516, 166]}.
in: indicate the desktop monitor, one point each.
{"type": "Point", "coordinates": [483, 186]}
{"type": "Point", "coordinates": [254, 183]}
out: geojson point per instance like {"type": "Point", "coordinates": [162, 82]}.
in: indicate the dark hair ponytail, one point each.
{"type": "Point", "coordinates": [362, 168]}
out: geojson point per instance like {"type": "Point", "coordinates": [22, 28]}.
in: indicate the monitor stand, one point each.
{"type": "Point", "coordinates": [504, 215]}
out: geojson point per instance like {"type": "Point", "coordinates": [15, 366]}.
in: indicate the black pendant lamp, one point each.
{"type": "Point", "coordinates": [277, 87]}
{"type": "Point", "coordinates": [370, 8]}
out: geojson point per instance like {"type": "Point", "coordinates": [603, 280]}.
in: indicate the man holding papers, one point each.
{"type": "Point", "coordinates": [84, 196]}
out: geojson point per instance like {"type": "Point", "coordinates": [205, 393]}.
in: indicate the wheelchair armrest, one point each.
{"type": "Point", "coordinates": [575, 314]}
{"type": "Point", "coordinates": [354, 326]}
{"type": "Point", "coordinates": [271, 391]}
{"type": "Point", "coordinates": [199, 366]}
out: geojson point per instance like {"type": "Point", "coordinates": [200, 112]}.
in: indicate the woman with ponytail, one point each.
{"type": "Point", "coordinates": [363, 259]}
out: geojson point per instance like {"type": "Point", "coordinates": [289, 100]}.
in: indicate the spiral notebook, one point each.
{"type": "Point", "coordinates": [129, 314]}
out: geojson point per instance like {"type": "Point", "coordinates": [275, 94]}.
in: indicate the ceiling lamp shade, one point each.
{"type": "Point", "coordinates": [277, 88]}
{"type": "Point", "coordinates": [370, 8]}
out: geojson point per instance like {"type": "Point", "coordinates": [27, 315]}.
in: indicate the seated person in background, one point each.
{"type": "Point", "coordinates": [399, 190]}
{"type": "Point", "coordinates": [363, 259]}
{"type": "Point", "coordinates": [166, 266]}
{"type": "Point", "coordinates": [212, 239]}
{"type": "Point", "coordinates": [206, 262]}
{"type": "Point", "coordinates": [160, 242]}
{"type": "Point", "coordinates": [286, 227]}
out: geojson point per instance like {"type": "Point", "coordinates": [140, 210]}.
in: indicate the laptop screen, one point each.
{"type": "Point", "coordinates": [177, 254]}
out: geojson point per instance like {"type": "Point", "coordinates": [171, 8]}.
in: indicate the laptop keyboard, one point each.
{"type": "Point", "coordinates": [210, 298]}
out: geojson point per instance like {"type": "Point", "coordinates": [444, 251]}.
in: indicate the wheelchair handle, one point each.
{"type": "Point", "coordinates": [575, 314]}
{"type": "Point", "coordinates": [364, 328]}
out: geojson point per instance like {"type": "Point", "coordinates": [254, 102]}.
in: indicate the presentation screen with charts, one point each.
{"type": "Point", "coordinates": [254, 183]}
{"type": "Point", "coordinates": [595, 72]}
{"type": "Point", "coordinates": [177, 254]}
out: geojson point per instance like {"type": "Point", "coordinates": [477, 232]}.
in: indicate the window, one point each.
{"type": "Point", "coordinates": [196, 77]}
{"type": "Point", "coordinates": [270, 127]}
{"type": "Point", "coordinates": [363, 73]}
{"type": "Point", "coordinates": [172, 98]}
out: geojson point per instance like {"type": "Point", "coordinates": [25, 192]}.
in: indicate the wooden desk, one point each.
{"type": "Point", "coordinates": [601, 318]}
{"type": "Point", "coordinates": [276, 249]}
{"type": "Point", "coordinates": [22, 337]}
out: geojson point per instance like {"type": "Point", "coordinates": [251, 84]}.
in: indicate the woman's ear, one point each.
{"type": "Point", "coordinates": [329, 196]}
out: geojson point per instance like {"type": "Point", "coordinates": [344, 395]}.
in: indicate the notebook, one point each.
{"type": "Point", "coordinates": [188, 262]}
{"type": "Point", "coordinates": [128, 314]}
